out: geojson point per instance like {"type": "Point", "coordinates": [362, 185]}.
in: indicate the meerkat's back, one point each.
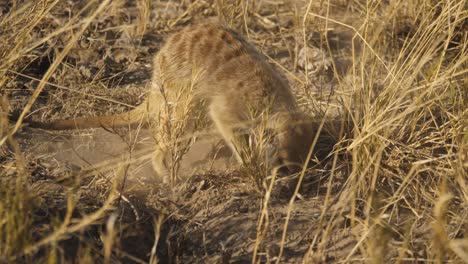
{"type": "Point", "coordinates": [218, 65]}
{"type": "Point", "coordinates": [224, 65]}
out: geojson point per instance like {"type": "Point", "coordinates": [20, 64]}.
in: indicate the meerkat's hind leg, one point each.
{"type": "Point", "coordinates": [174, 132]}
{"type": "Point", "coordinates": [160, 165]}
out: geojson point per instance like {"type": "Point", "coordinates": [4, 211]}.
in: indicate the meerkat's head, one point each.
{"type": "Point", "coordinates": [292, 144]}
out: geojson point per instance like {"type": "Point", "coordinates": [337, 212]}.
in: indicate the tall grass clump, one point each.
{"type": "Point", "coordinates": [16, 201]}
{"type": "Point", "coordinates": [409, 111]}
{"type": "Point", "coordinates": [20, 240]}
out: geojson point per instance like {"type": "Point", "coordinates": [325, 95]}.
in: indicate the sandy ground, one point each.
{"type": "Point", "coordinates": [216, 211]}
{"type": "Point", "coordinates": [96, 147]}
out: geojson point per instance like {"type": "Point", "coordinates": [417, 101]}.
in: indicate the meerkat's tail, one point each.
{"type": "Point", "coordinates": [132, 117]}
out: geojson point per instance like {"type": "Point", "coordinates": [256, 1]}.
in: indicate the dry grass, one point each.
{"type": "Point", "coordinates": [386, 81]}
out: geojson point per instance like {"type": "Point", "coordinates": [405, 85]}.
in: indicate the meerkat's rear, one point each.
{"type": "Point", "coordinates": [209, 69]}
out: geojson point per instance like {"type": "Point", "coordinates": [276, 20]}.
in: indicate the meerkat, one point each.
{"type": "Point", "coordinates": [212, 69]}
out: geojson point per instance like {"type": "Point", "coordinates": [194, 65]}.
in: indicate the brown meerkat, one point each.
{"type": "Point", "coordinates": [211, 68]}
